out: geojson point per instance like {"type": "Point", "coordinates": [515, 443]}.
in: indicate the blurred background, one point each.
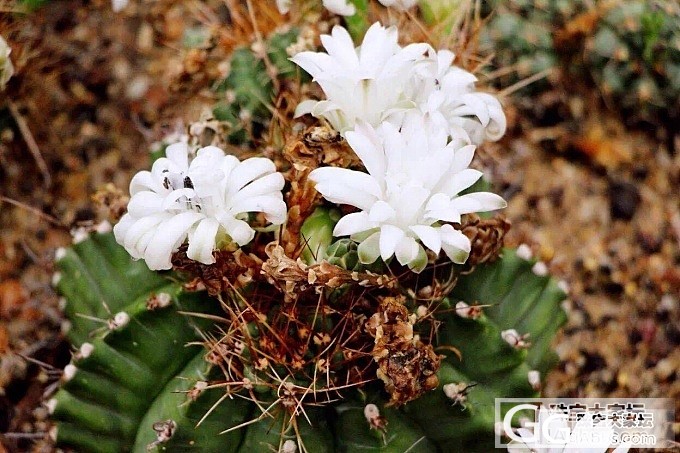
{"type": "Point", "coordinates": [590, 164]}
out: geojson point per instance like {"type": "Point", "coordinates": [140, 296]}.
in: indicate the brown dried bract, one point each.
{"type": "Point", "coordinates": [486, 237]}
{"type": "Point", "coordinates": [406, 365]}
{"type": "Point", "coordinates": [231, 270]}
{"type": "Point", "coordinates": [316, 146]}
{"type": "Point", "coordinates": [293, 276]}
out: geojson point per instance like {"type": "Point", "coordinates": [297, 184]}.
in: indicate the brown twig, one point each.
{"type": "Point", "coordinates": [35, 211]}
{"type": "Point", "coordinates": [31, 143]}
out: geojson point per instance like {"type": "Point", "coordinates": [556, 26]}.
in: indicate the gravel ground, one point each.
{"type": "Point", "coordinates": [596, 201]}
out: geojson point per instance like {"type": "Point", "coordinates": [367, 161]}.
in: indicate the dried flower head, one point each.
{"type": "Point", "coordinates": [205, 201]}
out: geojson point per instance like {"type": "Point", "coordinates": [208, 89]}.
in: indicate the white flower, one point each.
{"type": "Point", "coordinates": [410, 191]}
{"type": "Point", "coordinates": [366, 83]}
{"type": "Point", "coordinates": [283, 6]}
{"type": "Point", "coordinates": [6, 68]}
{"type": "Point", "coordinates": [380, 81]}
{"type": "Point", "coordinates": [447, 93]}
{"type": "Point", "coordinates": [202, 200]}
{"type": "Point", "coordinates": [552, 428]}
{"type": "Point", "coordinates": [401, 5]}
{"type": "Point", "coordinates": [340, 7]}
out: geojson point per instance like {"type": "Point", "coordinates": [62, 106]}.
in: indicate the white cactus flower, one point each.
{"type": "Point", "coordinates": [340, 7]}
{"type": "Point", "coordinates": [202, 201]}
{"type": "Point", "coordinates": [447, 94]}
{"type": "Point", "coordinates": [401, 5]}
{"type": "Point", "coordinates": [6, 68]}
{"type": "Point", "coordinates": [365, 83]}
{"type": "Point", "coordinates": [380, 81]}
{"type": "Point", "coordinates": [410, 195]}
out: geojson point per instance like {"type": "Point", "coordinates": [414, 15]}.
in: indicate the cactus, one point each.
{"type": "Point", "coordinates": [629, 47]}
{"type": "Point", "coordinates": [249, 88]}
{"type": "Point", "coordinates": [635, 59]}
{"type": "Point", "coordinates": [135, 384]}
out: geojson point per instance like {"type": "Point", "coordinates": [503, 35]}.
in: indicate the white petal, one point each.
{"type": "Point", "coordinates": [168, 237]}
{"type": "Point", "coordinates": [455, 244]}
{"type": "Point", "coordinates": [179, 154]}
{"type": "Point", "coordinates": [271, 184]}
{"type": "Point", "coordinates": [343, 194]}
{"type": "Point", "coordinates": [240, 231]}
{"type": "Point", "coordinates": [438, 202]}
{"type": "Point", "coordinates": [340, 46]}
{"type": "Point", "coordinates": [362, 181]}
{"type": "Point", "coordinates": [170, 200]}
{"type": "Point", "coordinates": [477, 106]}
{"type": "Point", "coordinates": [406, 251]}
{"type": "Point", "coordinates": [139, 228]}
{"type": "Point", "coordinates": [144, 180]}
{"type": "Point", "coordinates": [461, 181]}
{"type": "Point", "coordinates": [355, 222]}
{"type": "Point", "coordinates": [478, 202]}
{"type": "Point", "coordinates": [277, 213]}
{"type": "Point", "coordinates": [366, 144]}
{"type": "Point", "coordinates": [145, 203]}
{"type": "Point", "coordinates": [369, 249]}
{"type": "Point", "coordinates": [120, 230]}
{"type": "Point", "coordinates": [268, 204]}
{"type": "Point", "coordinates": [462, 158]}
{"type": "Point", "coordinates": [429, 236]}
{"type": "Point", "coordinates": [381, 211]}
{"type": "Point", "coordinates": [202, 241]}
{"type": "Point", "coordinates": [305, 107]}
{"type": "Point", "coordinates": [247, 171]}
{"type": "Point", "coordinates": [390, 237]}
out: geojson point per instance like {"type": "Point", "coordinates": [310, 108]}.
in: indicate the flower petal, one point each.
{"type": "Point", "coordinates": [478, 202]}
{"type": "Point", "coordinates": [343, 194]}
{"type": "Point", "coordinates": [406, 250]}
{"type": "Point", "coordinates": [247, 171]}
{"type": "Point", "coordinates": [362, 181]}
{"type": "Point", "coordinates": [169, 236]}
{"type": "Point", "coordinates": [239, 231]}
{"type": "Point", "coordinates": [179, 154]}
{"type": "Point", "coordinates": [455, 244]}
{"type": "Point", "coordinates": [366, 144]}
{"type": "Point", "coordinates": [145, 203]}
{"type": "Point", "coordinates": [145, 180]}
{"type": "Point", "coordinates": [202, 241]}
{"type": "Point", "coordinates": [271, 184]}
{"type": "Point", "coordinates": [461, 181]}
{"type": "Point", "coordinates": [353, 223]}
{"type": "Point", "coordinates": [429, 236]}
{"type": "Point", "coordinates": [390, 237]}
{"type": "Point", "coordinates": [369, 249]}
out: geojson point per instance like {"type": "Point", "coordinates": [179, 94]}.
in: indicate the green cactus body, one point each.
{"type": "Point", "coordinates": [632, 50]}
{"type": "Point", "coordinates": [138, 378]}
{"type": "Point", "coordinates": [635, 58]}
{"type": "Point", "coordinates": [249, 89]}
